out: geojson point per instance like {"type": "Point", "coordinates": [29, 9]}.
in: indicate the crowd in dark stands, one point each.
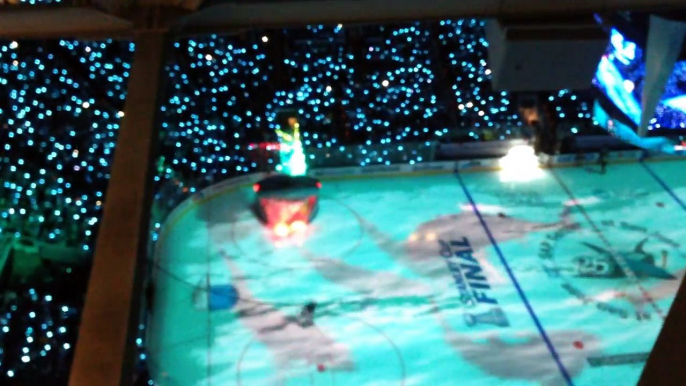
{"type": "Point", "coordinates": [361, 94]}
{"type": "Point", "coordinates": [60, 110]}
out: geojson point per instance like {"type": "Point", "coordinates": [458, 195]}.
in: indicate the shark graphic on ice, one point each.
{"type": "Point", "coordinates": [373, 284]}
{"type": "Point", "coordinates": [289, 342]}
{"type": "Point", "coordinates": [605, 264]}
{"type": "Point", "coordinates": [420, 251]}
{"type": "Point", "coordinates": [527, 356]}
{"type": "Point", "coordinates": [665, 289]}
{"type": "Point", "coordinates": [421, 254]}
{"type": "Point", "coordinates": [643, 265]}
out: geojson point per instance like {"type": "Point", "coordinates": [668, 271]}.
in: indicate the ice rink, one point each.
{"type": "Point", "coordinates": [444, 279]}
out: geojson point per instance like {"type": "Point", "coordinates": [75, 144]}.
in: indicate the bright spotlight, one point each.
{"type": "Point", "coordinates": [521, 151]}
{"type": "Point", "coordinates": [298, 226]}
{"type": "Point", "coordinates": [520, 165]}
{"type": "Point", "coordinates": [281, 230]}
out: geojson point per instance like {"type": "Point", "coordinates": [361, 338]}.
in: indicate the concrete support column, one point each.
{"type": "Point", "coordinates": [105, 352]}
{"type": "Point", "coordinates": [665, 40]}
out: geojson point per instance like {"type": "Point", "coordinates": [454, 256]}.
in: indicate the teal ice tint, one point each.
{"type": "Point", "coordinates": [427, 280]}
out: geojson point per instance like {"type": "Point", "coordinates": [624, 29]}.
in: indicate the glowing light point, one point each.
{"type": "Point", "coordinates": [298, 226]}
{"type": "Point", "coordinates": [293, 160]}
{"type": "Point", "coordinates": [520, 165]}
{"type": "Point", "coordinates": [281, 230]}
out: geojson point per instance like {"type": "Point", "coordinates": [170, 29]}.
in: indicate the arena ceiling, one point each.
{"type": "Point", "coordinates": [122, 18]}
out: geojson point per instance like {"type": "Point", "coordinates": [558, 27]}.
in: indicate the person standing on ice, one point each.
{"type": "Point", "coordinates": [306, 317]}
{"type": "Point", "coordinates": [602, 160]}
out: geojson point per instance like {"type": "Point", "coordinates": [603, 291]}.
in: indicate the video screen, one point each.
{"type": "Point", "coordinates": [620, 76]}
